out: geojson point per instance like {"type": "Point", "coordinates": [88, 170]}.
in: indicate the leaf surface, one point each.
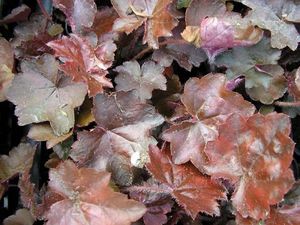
{"type": "Point", "coordinates": [264, 78]}
{"type": "Point", "coordinates": [84, 62]}
{"type": "Point", "coordinates": [80, 13]}
{"type": "Point", "coordinates": [208, 102]}
{"type": "Point", "coordinates": [88, 199]}
{"type": "Point", "coordinates": [255, 157]}
{"type": "Point", "coordinates": [19, 159]}
{"type": "Point", "coordinates": [143, 79]}
{"type": "Point", "coordinates": [41, 94]}
{"type": "Point", "coordinates": [153, 13]}
{"type": "Point", "coordinates": [186, 184]}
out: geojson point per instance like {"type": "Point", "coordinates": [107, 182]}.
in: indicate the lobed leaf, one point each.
{"type": "Point", "coordinates": [191, 189]}
{"type": "Point", "coordinates": [41, 94]}
{"type": "Point", "coordinates": [84, 62]}
{"type": "Point", "coordinates": [143, 79]}
{"type": "Point", "coordinates": [153, 13]}
{"type": "Point", "coordinates": [255, 157]}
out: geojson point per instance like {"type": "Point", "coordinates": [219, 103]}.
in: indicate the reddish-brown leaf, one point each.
{"type": "Point", "coordinates": [157, 202]}
{"type": "Point", "coordinates": [84, 62]}
{"type": "Point", "coordinates": [153, 13]}
{"type": "Point", "coordinates": [209, 102]}
{"type": "Point", "coordinates": [122, 136]}
{"type": "Point", "coordinates": [287, 215]}
{"type": "Point", "coordinates": [18, 14]}
{"type": "Point", "coordinates": [254, 154]}
{"type": "Point", "coordinates": [104, 21]}
{"type": "Point", "coordinates": [191, 189]}
{"type": "Point", "coordinates": [88, 198]}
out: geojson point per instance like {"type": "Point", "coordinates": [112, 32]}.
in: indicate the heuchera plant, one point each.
{"type": "Point", "coordinates": [155, 111]}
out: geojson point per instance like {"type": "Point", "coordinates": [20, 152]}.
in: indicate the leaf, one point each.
{"type": "Point", "coordinates": [104, 20]}
{"type": "Point", "coordinates": [158, 203]}
{"type": "Point", "coordinates": [85, 116]}
{"type": "Point", "coordinates": [30, 37]}
{"type": "Point", "coordinates": [285, 215]}
{"type": "Point", "coordinates": [267, 84]}
{"type": "Point", "coordinates": [198, 10]}
{"type": "Point", "coordinates": [124, 130]}
{"type": "Point", "coordinates": [258, 64]}
{"type": "Point", "coordinates": [153, 13]}
{"type": "Point", "coordinates": [84, 62]}
{"type": "Point", "coordinates": [255, 157]}
{"type": "Point", "coordinates": [283, 34]}
{"type": "Point", "coordinates": [143, 79]}
{"type": "Point", "coordinates": [213, 29]}
{"type": "Point", "coordinates": [18, 14]}
{"type": "Point", "coordinates": [6, 66]}
{"type": "Point", "coordinates": [183, 3]}
{"type": "Point", "coordinates": [44, 132]}
{"type": "Point", "coordinates": [19, 159]}
{"type": "Point", "coordinates": [291, 11]}
{"type": "Point", "coordinates": [80, 13]}
{"type": "Point", "coordinates": [21, 217]}
{"type": "Point", "coordinates": [88, 199]}
{"type": "Point", "coordinates": [208, 102]}
{"type": "Point", "coordinates": [186, 55]}
{"type": "Point", "coordinates": [38, 201]}
{"type": "Point", "coordinates": [41, 94]}
{"type": "Point", "coordinates": [185, 183]}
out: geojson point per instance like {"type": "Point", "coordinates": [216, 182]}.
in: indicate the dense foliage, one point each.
{"type": "Point", "coordinates": [153, 112]}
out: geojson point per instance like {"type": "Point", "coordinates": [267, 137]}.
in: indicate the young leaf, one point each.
{"type": "Point", "coordinates": [213, 29]}
{"type": "Point", "coordinates": [80, 13]}
{"type": "Point", "coordinates": [84, 62]}
{"type": "Point", "coordinates": [209, 102]}
{"type": "Point", "coordinates": [143, 79]}
{"type": "Point", "coordinates": [41, 94]}
{"type": "Point", "coordinates": [191, 189]}
{"type": "Point", "coordinates": [153, 13]}
{"type": "Point", "coordinates": [19, 159]}
{"type": "Point", "coordinates": [88, 199]}
{"type": "Point", "coordinates": [255, 157]}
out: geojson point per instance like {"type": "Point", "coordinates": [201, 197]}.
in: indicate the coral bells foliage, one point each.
{"type": "Point", "coordinates": [154, 112]}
